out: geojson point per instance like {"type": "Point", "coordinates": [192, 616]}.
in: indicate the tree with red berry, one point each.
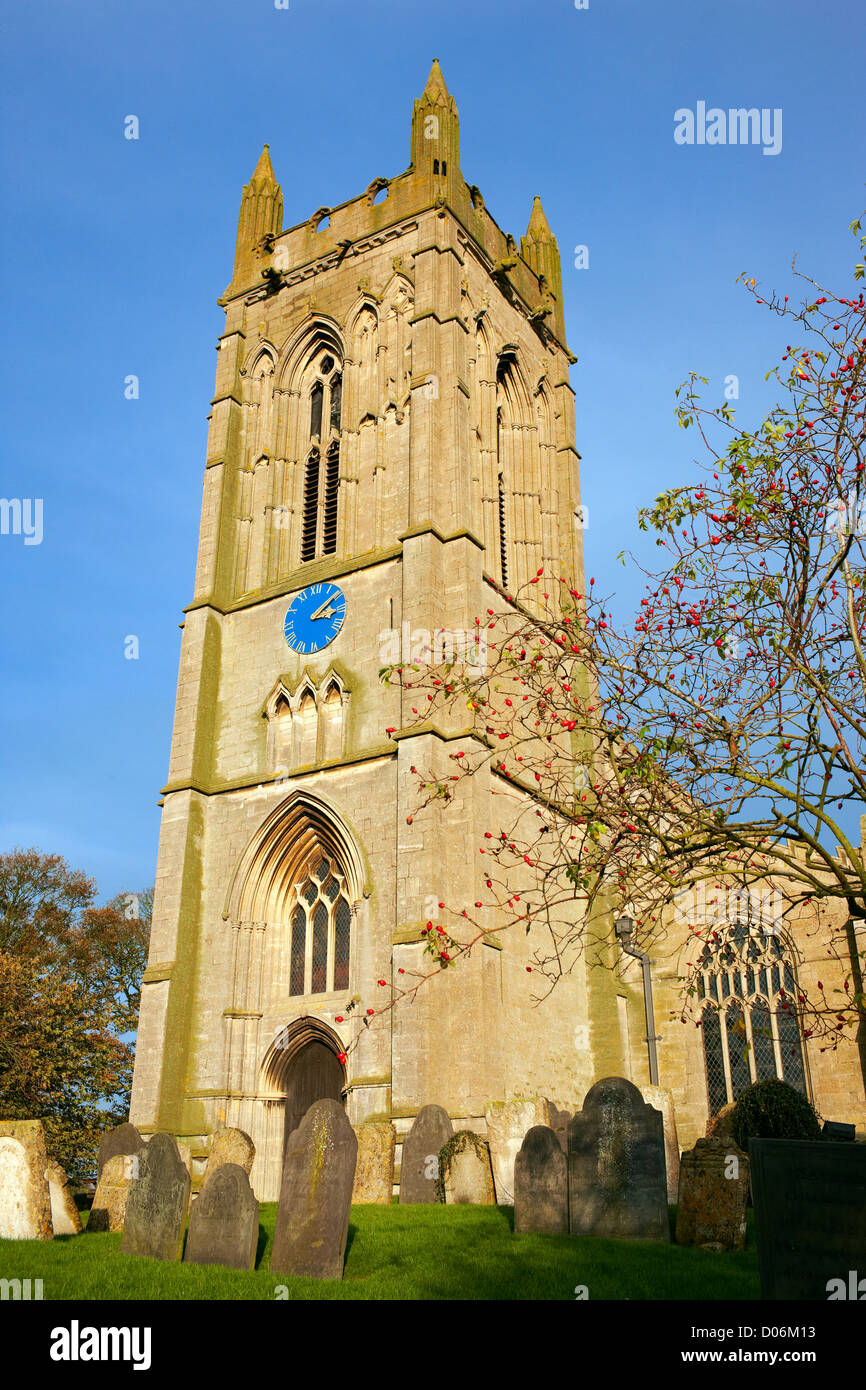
{"type": "Point", "coordinates": [716, 738]}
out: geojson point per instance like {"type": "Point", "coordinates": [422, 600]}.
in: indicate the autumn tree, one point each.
{"type": "Point", "coordinates": [70, 975]}
{"type": "Point", "coordinates": [717, 736]}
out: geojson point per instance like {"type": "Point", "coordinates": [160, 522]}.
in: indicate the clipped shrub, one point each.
{"type": "Point", "coordinates": [773, 1110]}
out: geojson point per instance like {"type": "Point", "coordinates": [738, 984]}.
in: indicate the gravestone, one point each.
{"type": "Point", "coordinates": [419, 1167]}
{"type": "Point", "coordinates": [123, 1139]}
{"type": "Point", "coordinates": [64, 1213]}
{"type": "Point", "coordinates": [224, 1221]}
{"type": "Point", "coordinates": [158, 1202]}
{"type": "Point", "coordinates": [507, 1123]}
{"type": "Point", "coordinates": [541, 1185]}
{"type": "Point", "coordinates": [810, 1215]}
{"type": "Point", "coordinates": [230, 1146]}
{"type": "Point", "coordinates": [663, 1100]}
{"type": "Point", "coordinates": [374, 1173]}
{"type": "Point", "coordinates": [559, 1120]}
{"type": "Point", "coordinates": [108, 1210]}
{"type": "Point", "coordinates": [712, 1196]}
{"type": "Point", "coordinates": [838, 1132]}
{"type": "Point", "coordinates": [616, 1165]}
{"type": "Point", "coordinates": [466, 1176]}
{"type": "Point", "coordinates": [316, 1194]}
{"type": "Point", "coordinates": [184, 1148]}
{"type": "Point", "coordinates": [719, 1126]}
{"type": "Point", "coordinates": [25, 1197]}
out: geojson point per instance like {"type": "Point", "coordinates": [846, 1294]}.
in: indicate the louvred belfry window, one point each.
{"type": "Point", "coordinates": [749, 1024]}
{"type": "Point", "coordinates": [322, 466]}
{"type": "Point", "coordinates": [503, 537]}
{"type": "Point", "coordinates": [311, 507]}
{"type": "Point", "coordinates": [321, 931]}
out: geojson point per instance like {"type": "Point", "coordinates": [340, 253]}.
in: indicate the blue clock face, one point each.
{"type": "Point", "coordinates": [314, 618]}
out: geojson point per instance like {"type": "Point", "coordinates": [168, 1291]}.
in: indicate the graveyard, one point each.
{"type": "Point", "coordinates": [595, 1206]}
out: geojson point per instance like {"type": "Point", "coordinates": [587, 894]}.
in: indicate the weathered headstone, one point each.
{"type": "Point", "coordinates": [64, 1213]}
{"type": "Point", "coordinates": [663, 1100]}
{"type": "Point", "coordinates": [158, 1202]}
{"type": "Point", "coordinates": [108, 1210]}
{"type": "Point", "coordinates": [507, 1123]}
{"type": "Point", "coordinates": [419, 1166]}
{"type": "Point", "coordinates": [316, 1194]}
{"type": "Point", "coordinates": [559, 1120]}
{"type": "Point", "coordinates": [25, 1198]}
{"type": "Point", "coordinates": [541, 1184]}
{"type": "Point", "coordinates": [839, 1131]}
{"type": "Point", "coordinates": [123, 1139]}
{"type": "Point", "coordinates": [719, 1125]}
{"type": "Point", "coordinates": [224, 1221]}
{"type": "Point", "coordinates": [616, 1165]}
{"type": "Point", "coordinates": [230, 1146]}
{"type": "Point", "coordinates": [466, 1173]}
{"type": "Point", "coordinates": [184, 1148]}
{"type": "Point", "coordinates": [810, 1215]}
{"type": "Point", "coordinates": [374, 1173]}
{"type": "Point", "coordinates": [712, 1197]}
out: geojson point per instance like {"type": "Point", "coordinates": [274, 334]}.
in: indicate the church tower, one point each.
{"type": "Point", "coordinates": [391, 449]}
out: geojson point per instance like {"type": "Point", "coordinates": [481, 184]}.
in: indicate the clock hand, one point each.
{"type": "Point", "coordinates": [324, 612]}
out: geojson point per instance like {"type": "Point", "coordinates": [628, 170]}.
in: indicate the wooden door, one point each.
{"type": "Point", "coordinates": [315, 1074]}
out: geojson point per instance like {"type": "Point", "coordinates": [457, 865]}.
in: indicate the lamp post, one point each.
{"type": "Point", "coordinates": [624, 927]}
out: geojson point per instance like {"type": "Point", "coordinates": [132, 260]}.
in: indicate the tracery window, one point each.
{"type": "Point", "coordinates": [749, 1026]}
{"type": "Point", "coordinates": [321, 922]}
{"type": "Point", "coordinates": [322, 467]}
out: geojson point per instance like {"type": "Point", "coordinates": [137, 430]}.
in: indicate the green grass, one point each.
{"type": "Point", "coordinates": [402, 1252]}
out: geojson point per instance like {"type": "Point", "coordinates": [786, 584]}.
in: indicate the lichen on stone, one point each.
{"type": "Point", "coordinates": [458, 1143]}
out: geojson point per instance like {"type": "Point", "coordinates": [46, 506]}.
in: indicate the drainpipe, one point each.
{"type": "Point", "coordinates": [624, 927]}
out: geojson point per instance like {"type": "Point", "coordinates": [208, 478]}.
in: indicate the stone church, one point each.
{"type": "Point", "coordinates": [391, 444]}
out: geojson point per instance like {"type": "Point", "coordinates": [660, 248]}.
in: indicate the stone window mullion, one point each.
{"type": "Point", "coordinates": [777, 1045]}
{"type": "Point", "coordinates": [750, 1042]}
{"type": "Point", "coordinates": [330, 965]}
{"type": "Point", "coordinates": [726, 1061]}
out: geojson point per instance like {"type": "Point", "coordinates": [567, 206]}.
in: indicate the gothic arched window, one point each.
{"type": "Point", "coordinates": [322, 467]}
{"type": "Point", "coordinates": [511, 485]}
{"type": "Point", "coordinates": [749, 1025]}
{"type": "Point", "coordinates": [321, 930]}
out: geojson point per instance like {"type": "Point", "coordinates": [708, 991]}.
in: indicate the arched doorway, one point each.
{"type": "Point", "coordinates": [314, 1073]}
{"type": "Point", "coordinates": [302, 1065]}
{"type": "Point", "coordinates": [297, 910]}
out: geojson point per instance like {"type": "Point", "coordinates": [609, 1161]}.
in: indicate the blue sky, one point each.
{"type": "Point", "coordinates": [115, 251]}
